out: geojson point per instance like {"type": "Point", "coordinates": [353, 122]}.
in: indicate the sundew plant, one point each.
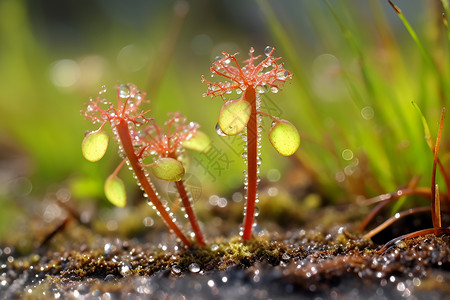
{"type": "Point", "coordinates": [136, 142]}
{"type": "Point", "coordinates": [331, 151]}
{"type": "Point", "coordinates": [242, 116]}
{"type": "Point", "coordinates": [144, 145]}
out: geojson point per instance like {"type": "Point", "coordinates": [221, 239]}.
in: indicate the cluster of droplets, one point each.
{"type": "Point", "coordinates": [266, 76]}
{"type": "Point", "coordinates": [169, 141]}
{"type": "Point", "coordinates": [244, 137]}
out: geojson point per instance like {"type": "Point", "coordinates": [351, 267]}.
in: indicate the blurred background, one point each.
{"type": "Point", "coordinates": [356, 70]}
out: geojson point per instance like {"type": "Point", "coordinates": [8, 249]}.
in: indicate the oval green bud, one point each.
{"type": "Point", "coordinates": [284, 137]}
{"type": "Point", "coordinates": [94, 145]}
{"type": "Point", "coordinates": [198, 142]}
{"type": "Point", "coordinates": [168, 169]}
{"type": "Point", "coordinates": [234, 116]}
{"type": "Point", "coordinates": [115, 191]}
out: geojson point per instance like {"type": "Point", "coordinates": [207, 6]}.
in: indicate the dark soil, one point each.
{"type": "Point", "coordinates": [300, 264]}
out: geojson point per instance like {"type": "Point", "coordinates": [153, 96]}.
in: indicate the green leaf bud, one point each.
{"type": "Point", "coordinates": [284, 137]}
{"type": "Point", "coordinates": [234, 116]}
{"type": "Point", "coordinates": [94, 145]}
{"type": "Point", "coordinates": [115, 191]}
{"type": "Point", "coordinates": [168, 169]}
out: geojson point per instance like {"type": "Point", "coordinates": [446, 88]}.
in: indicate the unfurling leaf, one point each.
{"type": "Point", "coordinates": [284, 137]}
{"type": "Point", "coordinates": [234, 116]}
{"type": "Point", "coordinates": [199, 142]}
{"type": "Point", "coordinates": [168, 169]}
{"type": "Point", "coordinates": [94, 145]}
{"type": "Point", "coordinates": [115, 191]}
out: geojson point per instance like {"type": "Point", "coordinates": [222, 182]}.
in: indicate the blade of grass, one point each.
{"type": "Point", "coordinates": [431, 145]}
{"type": "Point", "coordinates": [445, 17]}
{"type": "Point", "coordinates": [393, 113]}
{"type": "Point", "coordinates": [425, 53]}
{"type": "Point", "coordinates": [435, 204]}
{"type": "Point", "coordinates": [285, 42]}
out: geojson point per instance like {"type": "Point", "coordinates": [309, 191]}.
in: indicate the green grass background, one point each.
{"type": "Point", "coordinates": [356, 70]}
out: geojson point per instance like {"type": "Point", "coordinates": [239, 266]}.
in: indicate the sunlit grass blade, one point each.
{"type": "Point", "coordinates": [445, 16]}
{"type": "Point", "coordinates": [435, 201]}
{"type": "Point", "coordinates": [425, 52]}
{"type": "Point", "coordinates": [426, 128]}
{"type": "Point", "coordinates": [431, 143]}
{"type": "Point", "coordinates": [286, 44]}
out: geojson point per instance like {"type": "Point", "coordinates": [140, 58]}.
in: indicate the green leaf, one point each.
{"type": "Point", "coordinates": [426, 129]}
{"type": "Point", "coordinates": [94, 145]}
{"type": "Point", "coordinates": [115, 191]}
{"type": "Point", "coordinates": [234, 116]}
{"type": "Point", "coordinates": [168, 169]}
{"type": "Point", "coordinates": [284, 137]}
{"type": "Point", "coordinates": [199, 142]}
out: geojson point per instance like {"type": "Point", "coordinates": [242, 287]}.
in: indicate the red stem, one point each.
{"type": "Point", "coordinates": [394, 219]}
{"type": "Point", "coordinates": [423, 232]}
{"type": "Point", "coordinates": [125, 139]}
{"type": "Point", "coordinates": [252, 168]}
{"type": "Point", "coordinates": [190, 212]}
{"type": "Point", "coordinates": [435, 207]}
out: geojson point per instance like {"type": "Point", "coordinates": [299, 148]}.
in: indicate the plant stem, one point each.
{"type": "Point", "coordinates": [393, 219]}
{"type": "Point", "coordinates": [125, 139]}
{"type": "Point", "coordinates": [423, 232]}
{"type": "Point", "coordinates": [252, 167]}
{"type": "Point", "coordinates": [190, 212]}
{"type": "Point", "coordinates": [435, 200]}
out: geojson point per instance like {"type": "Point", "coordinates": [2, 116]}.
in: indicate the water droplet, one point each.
{"type": "Point", "coordinates": [282, 75]}
{"type": "Point", "coordinates": [244, 155]}
{"type": "Point", "coordinates": [260, 89]}
{"type": "Point", "coordinates": [138, 96]}
{"type": "Point", "coordinates": [347, 154]}
{"type": "Point", "coordinates": [259, 161]}
{"type": "Point", "coordinates": [401, 244]}
{"type": "Point", "coordinates": [217, 58]}
{"type": "Point", "coordinates": [237, 197]}
{"type": "Point", "coordinates": [268, 50]}
{"type": "Point", "coordinates": [148, 221]}
{"type": "Point", "coordinates": [367, 112]}
{"type": "Point", "coordinates": [214, 247]}
{"type": "Point", "coordinates": [125, 269]}
{"type": "Point", "coordinates": [238, 91]}
{"type": "Point", "coordinates": [194, 268]}
{"type": "Point", "coordinates": [109, 249]}
{"type": "Point", "coordinates": [256, 211]}
{"type": "Point", "coordinates": [274, 89]}
{"type": "Point", "coordinates": [109, 277]}
{"type": "Point", "coordinates": [176, 269]}
{"type": "Point", "coordinates": [124, 91]}
{"type": "Point", "coordinates": [219, 131]}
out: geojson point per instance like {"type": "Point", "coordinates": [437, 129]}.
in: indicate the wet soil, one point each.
{"type": "Point", "coordinates": [309, 263]}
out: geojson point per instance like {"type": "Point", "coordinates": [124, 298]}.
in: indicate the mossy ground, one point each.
{"type": "Point", "coordinates": [298, 263]}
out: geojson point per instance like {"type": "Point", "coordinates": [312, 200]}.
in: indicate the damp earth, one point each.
{"type": "Point", "coordinates": [318, 254]}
